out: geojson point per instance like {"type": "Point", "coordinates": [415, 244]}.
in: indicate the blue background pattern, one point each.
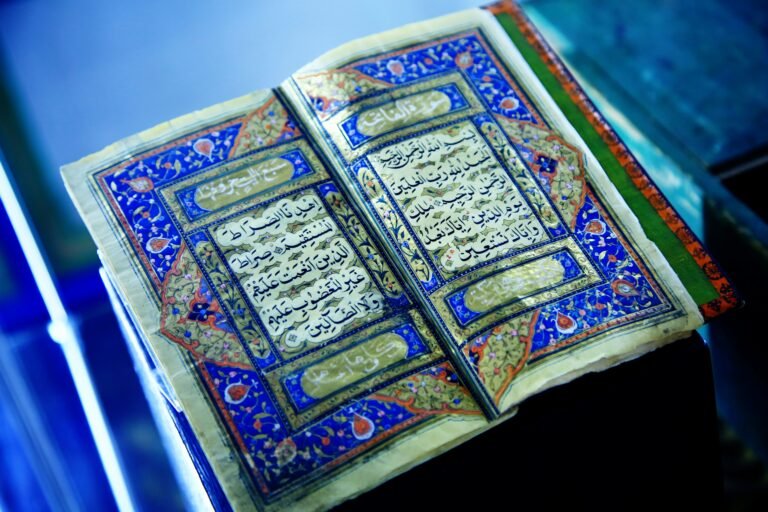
{"type": "Point", "coordinates": [465, 53]}
{"type": "Point", "coordinates": [282, 458]}
{"type": "Point", "coordinates": [146, 216]}
{"type": "Point", "coordinates": [602, 303]}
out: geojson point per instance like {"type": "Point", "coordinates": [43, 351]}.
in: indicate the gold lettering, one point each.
{"type": "Point", "coordinates": [233, 187]}
{"type": "Point", "coordinates": [514, 284]}
{"type": "Point", "coordinates": [403, 112]}
{"type": "Point", "coordinates": [353, 365]}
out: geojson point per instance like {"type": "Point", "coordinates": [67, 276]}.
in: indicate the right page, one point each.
{"type": "Point", "coordinates": [515, 242]}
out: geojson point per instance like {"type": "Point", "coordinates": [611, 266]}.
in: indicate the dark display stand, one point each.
{"type": "Point", "coordinates": [643, 433]}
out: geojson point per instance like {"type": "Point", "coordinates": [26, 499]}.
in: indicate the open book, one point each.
{"type": "Point", "coordinates": [385, 255]}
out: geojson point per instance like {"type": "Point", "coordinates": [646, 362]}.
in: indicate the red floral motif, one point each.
{"type": "Point", "coordinates": [141, 184]}
{"type": "Point", "coordinates": [235, 393]}
{"type": "Point", "coordinates": [712, 271]}
{"type": "Point", "coordinates": [596, 227]}
{"type": "Point", "coordinates": [203, 147]}
{"type": "Point", "coordinates": [564, 323]}
{"type": "Point", "coordinates": [464, 60]}
{"type": "Point", "coordinates": [395, 67]}
{"type": "Point", "coordinates": [657, 201]}
{"type": "Point", "coordinates": [624, 288]}
{"type": "Point", "coordinates": [509, 103]}
{"type": "Point", "coordinates": [634, 170]}
{"type": "Point", "coordinates": [157, 244]}
{"type": "Point", "coordinates": [362, 427]}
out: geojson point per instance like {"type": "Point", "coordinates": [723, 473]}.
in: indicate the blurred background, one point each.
{"type": "Point", "coordinates": [685, 83]}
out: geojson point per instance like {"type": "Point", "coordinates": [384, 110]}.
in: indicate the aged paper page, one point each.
{"type": "Point", "coordinates": [303, 366]}
{"type": "Point", "coordinates": [512, 237]}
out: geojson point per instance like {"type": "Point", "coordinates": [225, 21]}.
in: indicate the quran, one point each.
{"type": "Point", "coordinates": [385, 255]}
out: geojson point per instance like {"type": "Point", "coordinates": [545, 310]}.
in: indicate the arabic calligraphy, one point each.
{"type": "Point", "coordinates": [353, 365]}
{"type": "Point", "coordinates": [511, 285]}
{"type": "Point", "coordinates": [298, 271]}
{"type": "Point", "coordinates": [252, 180]}
{"type": "Point", "coordinates": [462, 205]}
{"type": "Point", "coordinates": [403, 112]}
{"type": "Point", "coordinates": [241, 182]}
{"type": "Point", "coordinates": [514, 284]}
{"type": "Point", "coordinates": [373, 121]}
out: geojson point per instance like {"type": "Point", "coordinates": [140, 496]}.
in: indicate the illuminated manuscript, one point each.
{"type": "Point", "coordinates": [373, 262]}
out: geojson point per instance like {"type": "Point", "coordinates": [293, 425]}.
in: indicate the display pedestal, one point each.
{"type": "Point", "coordinates": [644, 432]}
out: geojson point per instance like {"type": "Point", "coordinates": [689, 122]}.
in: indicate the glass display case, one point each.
{"type": "Point", "coordinates": [89, 423]}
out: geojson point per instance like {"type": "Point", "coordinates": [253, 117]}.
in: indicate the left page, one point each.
{"type": "Point", "coordinates": [301, 362]}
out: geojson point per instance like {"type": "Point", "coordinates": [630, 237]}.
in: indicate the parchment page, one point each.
{"type": "Point", "coordinates": [515, 242]}
{"type": "Point", "coordinates": [306, 371]}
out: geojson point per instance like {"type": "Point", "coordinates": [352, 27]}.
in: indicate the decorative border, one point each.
{"type": "Point", "coordinates": [301, 401]}
{"type": "Point", "coordinates": [168, 191]}
{"type": "Point", "coordinates": [495, 80]}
